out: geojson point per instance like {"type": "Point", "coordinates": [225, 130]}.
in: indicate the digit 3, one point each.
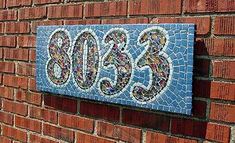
{"type": "Point", "coordinates": [154, 41]}
{"type": "Point", "coordinates": [116, 39]}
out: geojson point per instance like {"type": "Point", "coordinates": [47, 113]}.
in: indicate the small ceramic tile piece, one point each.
{"type": "Point", "coordinates": [148, 66]}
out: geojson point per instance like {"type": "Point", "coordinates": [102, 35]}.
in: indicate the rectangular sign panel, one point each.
{"type": "Point", "coordinates": [147, 66]}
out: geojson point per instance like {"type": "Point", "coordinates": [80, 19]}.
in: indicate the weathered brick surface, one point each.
{"type": "Point", "coordinates": [154, 137]}
{"type": "Point", "coordinates": [223, 25]}
{"type": "Point", "coordinates": [7, 41]}
{"type": "Point", "coordinates": [6, 118]}
{"type": "Point", "coordinates": [149, 7]}
{"type": "Point", "coordinates": [14, 133]}
{"type": "Point", "coordinates": [100, 111]}
{"type": "Point", "coordinates": [15, 107]}
{"type": "Point", "coordinates": [118, 132]}
{"type": "Point", "coordinates": [6, 92]}
{"type": "Point", "coordinates": [44, 114]}
{"type": "Point", "coordinates": [222, 112]}
{"type": "Point", "coordinates": [66, 11]}
{"type": "Point", "coordinates": [200, 6]}
{"type": "Point", "coordinates": [87, 138]}
{"type": "Point", "coordinates": [139, 118]}
{"type": "Point", "coordinates": [18, 3]}
{"type": "Point", "coordinates": [28, 115]}
{"type": "Point", "coordinates": [29, 124]}
{"type": "Point", "coordinates": [125, 21]}
{"type": "Point", "coordinates": [15, 81]}
{"type": "Point", "coordinates": [16, 54]}
{"type": "Point", "coordinates": [17, 27]}
{"type": "Point", "coordinates": [219, 133]}
{"type": "Point", "coordinates": [215, 46]}
{"type": "Point", "coordinates": [29, 97]}
{"type": "Point", "coordinates": [32, 13]}
{"type": "Point", "coordinates": [202, 23]}
{"type": "Point", "coordinates": [6, 15]}
{"type": "Point", "coordinates": [106, 9]}
{"type": "Point", "coordinates": [75, 122]}
{"type": "Point", "coordinates": [38, 139]}
{"type": "Point", "coordinates": [223, 69]}
{"type": "Point", "coordinates": [59, 133]}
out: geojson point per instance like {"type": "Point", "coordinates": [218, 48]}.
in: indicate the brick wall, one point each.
{"type": "Point", "coordinates": [27, 115]}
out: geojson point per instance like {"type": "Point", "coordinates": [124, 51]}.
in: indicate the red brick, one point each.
{"type": "Point", "coordinates": [7, 67]}
{"type": "Point", "coordinates": [1, 78]}
{"type": "Point", "coordinates": [6, 15]}
{"type": "Point", "coordinates": [202, 23]}
{"type": "Point", "coordinates": [199, 108]}
{"type": "Point", "coordinates": [202, 88]}
{"type": "Point", "coordinates": [148, 7]}
{"type": "Point", "coordinates": [87, 138]}
{"type": "Point", "coordinates": [32, 13]}
{"type": "Point", "coordinates": [2, 27]}
{"type": "Point", "coordinates": [1, 53]}
{"type": "Point", "coordinates": [224, 25]}
{"type": "Point", "coordinates": [45, 23]}
{"type": "Point", "coordinates": [46, 1]}
{"type": "Point", "coordinates": [65, 11]}
{"type": "Point", "coordinates": [82, 22]}
{"type": "Point", "coordinates": [6, 92]}
{"type": "Point", "coordinates": [2, 4]}
{"type": "Point", "coordinates": [199, 6]}
{"type": "Point", "coordinates": [201, 67]}
{"type": "Point", "coordinates": [188, 127]}
{"type": "Point", "coordinates": [140, 118]}
{"type": "Point", "coordinates": [5, 139]}
{"type": "Point", "coordinates": [222, 112]}
{"type": "Point", "coordinates": [222, 90]}
{"type": "Point", "coordinates": [117, 132]}
{"type": "Point", "coordinates": [223, 69]}
{"type": "Point", "coordinates": [219, 133]}
{"type": "Point", "coordinates": [17, 27]}
{"type": "Point", "coordinates": [27, 41]}
{"type": "Point", "coordinates": [28, 124]}
{"type": "Point", "coordinates": [29, 97]}
{"type": "Point", "coordinates": [26, 69]}
{"type": "Point", "coordinates": [32, 84]}
{"type": "Point", "coordinates": [14, 133]}
{"type": "Point", "coordinates": [59, 133]}
{"type": "Point", "coordinates": [6, 118]}
{"type": "Point", "coordinates": [106, 9]}
{"type": "Point", "coordinates": [14, 107]}
{"type": "Point", "coordinates": [16, 54]}
{"type": "Point", "coordinates": [43, 114]}
{"type": "Point", "coordinates": [8, 41]}
{"type": "Point", "coordinates": [76, 122]}
{"type": "Point", "coordinates": [18, 3]}
{"type": "Point", "coordinates": [99, 111]}
{"type": "Point", "coordinates": [32, 55]}
{"type": "Point", "coordinates": [125, 21]}
{"type": "Point", "coordinates": [155, 137]}
{"type": "Point", "coordinates": [37, 139]}
{"type": "Point", "coordinates": [61, 103]}
{"type": "Point", "coordinates": [15, 81]}
{"type": "Point", "coordinates": [215, 47]}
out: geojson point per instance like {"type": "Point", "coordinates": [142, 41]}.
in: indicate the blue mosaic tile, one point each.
{"type": "Point", "coordinates": [147, 66]}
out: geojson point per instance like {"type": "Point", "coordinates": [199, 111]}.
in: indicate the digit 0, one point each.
{"type": "Point", "coordinates": [85, 59]}
{"type": "Point", "coordinates": [58, 65]}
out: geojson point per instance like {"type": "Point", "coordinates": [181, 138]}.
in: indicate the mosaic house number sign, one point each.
{"type": "Point", "coordinates": [147, 66]}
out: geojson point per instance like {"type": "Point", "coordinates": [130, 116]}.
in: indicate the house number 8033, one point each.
{"type": "Point", "coordinates": [81, 59]}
